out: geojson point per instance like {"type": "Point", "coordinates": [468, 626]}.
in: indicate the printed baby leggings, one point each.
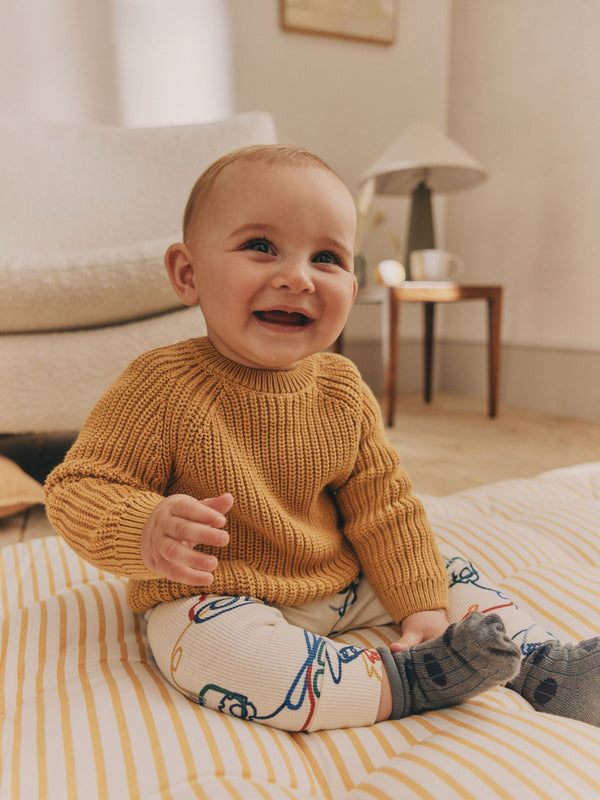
{"type": "Point", "coordinates": [284, 666]}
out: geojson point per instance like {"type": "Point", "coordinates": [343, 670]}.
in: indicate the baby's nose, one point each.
{"type": "Point", "coordinates": [296, 277]}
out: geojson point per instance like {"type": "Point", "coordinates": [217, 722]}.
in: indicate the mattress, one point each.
{"type": "Point", "coordinates": [85, 713]}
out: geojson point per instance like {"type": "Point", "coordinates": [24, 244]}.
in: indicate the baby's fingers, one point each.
{"type": "Point", "coordinates": [222, 504]}
{"type": "Point", "coordinates": [406, 641]}
{"type": "Point", "coordinates": [181, 563]}
{"type": "Point", "coordinates": [188, 508]}
{"type": "Point", "coordinates": [194, 533]}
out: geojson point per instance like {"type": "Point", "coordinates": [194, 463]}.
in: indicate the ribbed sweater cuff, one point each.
{"type": "Point", "coordinates": [129, 535]}
{"type": "Point", "coordinates": [426, 595]}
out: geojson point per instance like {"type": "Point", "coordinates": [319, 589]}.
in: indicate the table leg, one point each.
{"type": "Point", "coordinates": [391, 371]}
{"type": "Point", "coordinates": [494, 317]}
{"type": "Point", "coordinates": [429, 315]}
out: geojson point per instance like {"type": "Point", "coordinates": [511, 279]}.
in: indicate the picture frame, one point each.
{"type": "Point", "coordinates": [366, 20]}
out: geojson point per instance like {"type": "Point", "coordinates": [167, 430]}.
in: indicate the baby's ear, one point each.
{"type": "Point", "coordinates": [181, 273]}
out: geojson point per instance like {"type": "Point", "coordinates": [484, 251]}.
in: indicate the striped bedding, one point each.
{"type": "Point", "coordinates": [85, 714]}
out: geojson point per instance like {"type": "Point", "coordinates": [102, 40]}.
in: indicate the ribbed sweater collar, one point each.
{"type": "Point", "coordinates": [259, 380]}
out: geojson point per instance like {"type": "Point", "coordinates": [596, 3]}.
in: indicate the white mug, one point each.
{"type": "Point", "coordinates": [434, 265]}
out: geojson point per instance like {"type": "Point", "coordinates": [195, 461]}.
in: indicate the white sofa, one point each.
{"type": "Point", "coordinates": [85, 217]}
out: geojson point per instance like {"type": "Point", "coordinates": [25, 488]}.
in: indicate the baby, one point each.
{"type": "Point", "coordinates": [256, 428]}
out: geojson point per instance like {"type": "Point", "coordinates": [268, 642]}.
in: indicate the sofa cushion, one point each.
{"type": "Point", "coordinates": [85, 290]}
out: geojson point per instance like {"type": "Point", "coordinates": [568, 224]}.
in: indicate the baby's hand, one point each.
{"type": "Point", "coordinates": [421, 627]}
{"type": "Point", "coordinates": [176, 525]}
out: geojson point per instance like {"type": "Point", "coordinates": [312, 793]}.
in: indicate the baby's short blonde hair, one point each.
{"type": "Point", "coordinates": [262, 154]}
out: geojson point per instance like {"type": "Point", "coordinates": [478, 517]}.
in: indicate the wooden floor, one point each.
{"type": "Point", "coordinates": [447, 446]}
{"type": "Point", "coordinates": [452, 445]}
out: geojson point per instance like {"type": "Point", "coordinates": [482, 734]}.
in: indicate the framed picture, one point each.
{"type": "Point", "coordinates": [367, 20]}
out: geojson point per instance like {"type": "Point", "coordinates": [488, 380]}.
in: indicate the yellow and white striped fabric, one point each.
{"type": "Point", "coordinates": [85, 714]}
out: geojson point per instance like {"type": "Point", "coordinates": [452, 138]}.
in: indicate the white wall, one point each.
{"type": "Point", "coordinates": [345, 99]}
{"type": "Point", "coordinates": [523, 97]}
{"type": "Point", "coordinates": [173, 61]}
{"type": "Point", "coordinates": [124, 62]}
{"type": "Point", "coordinates": [57, 60]}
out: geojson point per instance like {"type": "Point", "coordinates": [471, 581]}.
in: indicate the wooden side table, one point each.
{"type": "Point", "coordinates": [429, 293]}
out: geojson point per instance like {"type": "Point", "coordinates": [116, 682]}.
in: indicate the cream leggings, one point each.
{"type": "Point", "coordinates": [283, 665]}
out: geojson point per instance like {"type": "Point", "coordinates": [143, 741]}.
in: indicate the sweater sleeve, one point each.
{"type": "Point", "coordinates": [101, 496]}
{"type": "Point", "coordinates": [387, 525]}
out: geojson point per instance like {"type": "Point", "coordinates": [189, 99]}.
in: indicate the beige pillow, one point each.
{"type": "Point", "coordinates": [17, 489]}
{"type": "Point", "coordinates": [83, 290]}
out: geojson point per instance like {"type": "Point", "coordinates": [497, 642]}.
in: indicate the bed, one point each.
{"type": "Point", "coordinates": [84, 712]}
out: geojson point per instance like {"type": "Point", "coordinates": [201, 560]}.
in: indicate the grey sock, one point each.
{"type": "Point", "coordinates": [471, 657]}
{"type": "Point", "coordinates": [563, 679]}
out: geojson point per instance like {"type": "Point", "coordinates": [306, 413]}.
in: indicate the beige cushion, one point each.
{"type": "Point", "coordinates": [17, 490]}
{"type": "Point", "coordinates": [83, 290]}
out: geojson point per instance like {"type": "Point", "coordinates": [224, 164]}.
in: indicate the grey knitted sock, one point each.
{"type": "Point", "coordinates": [471, 657]}
{"type": "Point", "coordinates": [563, 679]}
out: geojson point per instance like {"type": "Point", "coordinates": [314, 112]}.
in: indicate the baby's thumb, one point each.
{"type": "Point", "coordinates": [222, 503]}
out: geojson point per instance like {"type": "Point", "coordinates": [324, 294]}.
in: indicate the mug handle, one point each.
{"type": "Point", "coordinates": [455, 266]}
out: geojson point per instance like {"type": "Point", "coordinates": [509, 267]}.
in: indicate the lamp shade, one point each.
{"type": "Point", "coordinates": [424, 155]}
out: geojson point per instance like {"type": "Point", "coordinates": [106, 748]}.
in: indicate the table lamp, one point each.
{"type": "Point", "coordinates": [421, 161]}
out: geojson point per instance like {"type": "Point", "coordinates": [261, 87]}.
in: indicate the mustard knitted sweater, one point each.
{"type": "Point", "coordinates": [319, 493]}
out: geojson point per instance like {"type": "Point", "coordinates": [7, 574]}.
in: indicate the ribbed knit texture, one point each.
{"type": "Point", "coordinates": [319, 493]}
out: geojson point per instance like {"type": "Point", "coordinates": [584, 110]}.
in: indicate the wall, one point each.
{"type": "Point", "coordinates": [523, 97]}
{"type": "Point", "coordinates": [57, 61]}
{"type": "Point", "coordinates": [345, 99]}
{"type": "Point", "coordinates": [120, 62]}
{"type": "Point", "coordinates": [173, 61]}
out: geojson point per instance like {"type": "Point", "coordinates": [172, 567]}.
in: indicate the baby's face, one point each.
{"type": "Point", "coordinates": [272, 258]}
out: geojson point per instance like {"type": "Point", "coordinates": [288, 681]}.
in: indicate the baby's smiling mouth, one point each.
{"type": "Point", "coordinates": [277, 316]}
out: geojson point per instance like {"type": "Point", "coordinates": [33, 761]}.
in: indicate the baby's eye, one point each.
{"type": "Point", "coordinates": [326, 257]}
{"type": "Point", "coordinates": [259, 245]}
